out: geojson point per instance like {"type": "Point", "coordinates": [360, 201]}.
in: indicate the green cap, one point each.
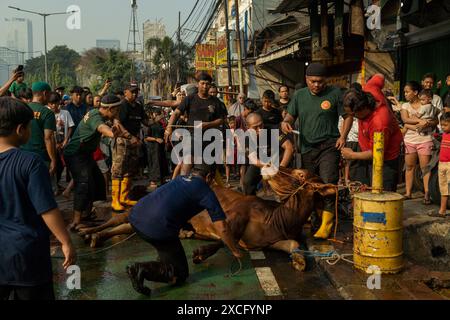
{"type": "Point", "coordinates": [40, 86]}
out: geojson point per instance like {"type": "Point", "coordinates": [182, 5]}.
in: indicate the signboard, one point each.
{"type": "Point", "coordinates": [205, 57]}
{"type": "Point", "coordinates": [221, 57]}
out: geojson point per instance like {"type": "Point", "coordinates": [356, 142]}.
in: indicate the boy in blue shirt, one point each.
{"type": "Point", "coordinates": [28, 211]}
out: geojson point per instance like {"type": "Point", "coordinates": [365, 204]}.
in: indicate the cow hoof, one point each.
{"type": "Point", "coordinates": [197, 257]}
{"type": "Point", "coordinates": [185, 234]}
{"type": "Point", "coordinates": [298, 262]}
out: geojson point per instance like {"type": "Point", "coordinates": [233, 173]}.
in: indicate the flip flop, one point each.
{"type": "Point", "coordinates": [438, 215]}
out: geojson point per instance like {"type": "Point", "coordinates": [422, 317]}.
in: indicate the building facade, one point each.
{"type": "Point", "coordinates": [108, 44]}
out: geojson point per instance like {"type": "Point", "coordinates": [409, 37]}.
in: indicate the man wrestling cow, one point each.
{"type": "Point", "coordinates": [252, 222]}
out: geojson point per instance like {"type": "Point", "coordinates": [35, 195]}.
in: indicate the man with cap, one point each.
{"type": "Point", "coordinates": [158, 217]}
{"type": "Point", "coordinates": [89, 182]}
{"type": "Point", "coordinates": [125, 152]}
{"type": "Point", "coordinates": [60, 90]}
{"type": "Point", "coordinates": [43, 126]}
{"type": "Point", "coordinates": [318, 108]}
{"type": "Point", "coordinates": [76, 107]}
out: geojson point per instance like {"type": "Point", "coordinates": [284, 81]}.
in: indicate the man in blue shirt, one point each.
{"type": "Point", "coordinates": [158, 218]}
{"type": "Point", "coordinates": [28, 211]}
{"type": "Point", "coordinates": [76, 107]}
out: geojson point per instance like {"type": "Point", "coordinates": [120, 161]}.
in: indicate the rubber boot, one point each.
{"type": "Point", "coordinates": [326, 226]}
{"type": "Point", "coordinates": [151, 271]}
{"type": "Point", "coordinates": [115, 195]}
{"type": "Point", "coordinates": [125, 191]}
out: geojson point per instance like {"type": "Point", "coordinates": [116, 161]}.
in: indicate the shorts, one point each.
{"type": "Point", "coordinates": [125, 159]}
{"type": "Point", "coordinates": [423, 149]}
{"type": "Point", "coordinates": [444, 178]}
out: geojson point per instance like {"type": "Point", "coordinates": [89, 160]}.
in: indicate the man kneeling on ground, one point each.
{"type": "Point", "coordinates": [158, 218]}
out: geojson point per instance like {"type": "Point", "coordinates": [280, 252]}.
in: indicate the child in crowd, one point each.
{"type": "Point", "coordinates": [64, 128]}
{"type": "Point", "coordinates": [231, 151]}
{"type": "Point", "coordinates": [444, 164]}
{"type": "Point", "coordinates": [427, 112]}
{"type": "Point", "coordinates": [154, 140]}
{"type": "Point", "coordinates": [28, 211]}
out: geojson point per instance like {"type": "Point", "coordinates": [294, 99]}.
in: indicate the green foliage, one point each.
{"type": "Point", "coordinates": [62, 63]}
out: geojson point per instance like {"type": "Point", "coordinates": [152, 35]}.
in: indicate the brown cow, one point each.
{"type": "Point", "coordinates": [256, 222]}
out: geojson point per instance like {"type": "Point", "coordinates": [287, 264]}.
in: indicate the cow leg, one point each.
{"type": "Point", "coordinates": [113, 222]}
{"type": "Point", "coordinates": [204, 252]}
{"type": "Point", "coordinates": [289, 246]}
{"type": "Point", "coordinates": [99, 237]}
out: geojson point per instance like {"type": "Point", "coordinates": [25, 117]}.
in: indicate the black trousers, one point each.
{"type": "Point", "coordinates": [89, 184]}
{"type": "Point", "coordinates": [170, 252]}
{"type": "Point", "coordinates": [153, 158]}
{"type": "Point", "coordinates": [251, 179]}
{"type": "Point", "coordinates": [41, 292]}
{"type": "Point", "coordinates": [390, 173]}
{"type": "Point", "coordinates": [323, 160]}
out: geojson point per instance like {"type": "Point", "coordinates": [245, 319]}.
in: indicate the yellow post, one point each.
{"type": "Point", "coordinates": [377, 165]}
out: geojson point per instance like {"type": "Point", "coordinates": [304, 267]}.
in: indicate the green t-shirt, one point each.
{"type": "Point", "coordinates": [44, 119]}
{"type": "Point", "coordinates": [86, 137]}
{"type": "Point", "coordinates": [16, 87]}
{"type": "Point", "coordinates": [318, 115]}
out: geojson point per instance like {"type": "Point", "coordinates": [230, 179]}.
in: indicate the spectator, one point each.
{"type": "Point", "coordinates": [28, 211]}
{"type": "Point", "coordinates": [237, 108]}
{"type": "Point", "coordinates": [18, 85]}
{"type": "Point", "coordinates": [76, 107]}
{"type": "Point", "coordinates": [284, 95]}
{"type": "Point", "coordinates": [155, 150]}
{"type": "Point", "coordinates": [444, 164]}
{"type": "Point", "coordinates": [26, 95]}
{"type": "Point", "coordinates": [428, 81]}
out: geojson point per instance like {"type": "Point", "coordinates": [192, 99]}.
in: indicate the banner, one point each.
{"type": "Point", "coordinates": [221, 57]}
{"type": "Point", "coordinates": [205, 57]}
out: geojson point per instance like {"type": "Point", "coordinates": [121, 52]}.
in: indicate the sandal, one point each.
{"type": "Point", "coordinates": [438, 215]}
{"type": "Point", "coordinates": [426, 200]}
{"type": "Point", "coordinates": [407, 197]}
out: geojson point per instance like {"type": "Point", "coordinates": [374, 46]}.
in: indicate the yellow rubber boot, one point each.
{"type": "Point", "coordinates": [326, 226]}
{"type": "Point", "coordinates": [125, 191]}
{"type": "Point", "coordinates": [115, 194]}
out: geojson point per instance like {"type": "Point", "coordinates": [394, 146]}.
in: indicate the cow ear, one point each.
{"type": "Point", "coordinates": [325, 190]}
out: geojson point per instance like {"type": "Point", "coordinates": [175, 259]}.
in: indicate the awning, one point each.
{"type": "Point", "coordinates": [279, 53]}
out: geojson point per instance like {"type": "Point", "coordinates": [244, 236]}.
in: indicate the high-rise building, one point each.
{"type": "Point", "coordinates": [108, 44]}
{"type": "Point", "coordinates": [153, 29]}
{"type": "Point", "coordinates": [19, 37]}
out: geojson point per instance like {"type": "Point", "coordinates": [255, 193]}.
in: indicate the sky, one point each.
{"type": "Point", "coordinates": [100, 19]}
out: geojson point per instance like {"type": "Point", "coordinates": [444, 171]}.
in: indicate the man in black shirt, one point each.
{"type": "Point", "coordinates": [270, 115]}
{"type": "Point", "coordinates": [199, 107]}
{"type": "Point", "coordinates": [284, 96]}
{"type": "Point", "coordinates": [125, 153]}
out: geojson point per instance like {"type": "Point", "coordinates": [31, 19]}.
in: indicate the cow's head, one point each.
{"type": "Point", "coordinates": [286, 182]}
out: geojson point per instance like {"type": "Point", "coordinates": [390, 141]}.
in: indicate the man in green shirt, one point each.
{"type": "Point", "coordinates": [88, 180]}
{"type": "Point", "coordinates": [318, 108]}
{"type": "Point", "coordinates": [18, 84]}
{"type": "Point", "coordinates": [43, 126]}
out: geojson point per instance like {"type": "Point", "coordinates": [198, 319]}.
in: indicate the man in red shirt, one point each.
{"type": "Point", "coordinates": [370, 107]}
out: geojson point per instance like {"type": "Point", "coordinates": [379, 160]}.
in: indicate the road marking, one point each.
{"type": "Point", "coordinates": [257, 255]}
{"type": "Point", "coordinates": [268, 282]}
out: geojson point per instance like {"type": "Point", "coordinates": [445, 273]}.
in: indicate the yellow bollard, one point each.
{"type": "Point", "coordinates": [377, 225]}
{"type": "Point", "coordinates": [377, 164]}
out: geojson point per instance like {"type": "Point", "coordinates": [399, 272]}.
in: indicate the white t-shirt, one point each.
{"type": "Point", "coordinates": [63, 123]}
{"type": "Point", "coordinates": [353, 133]}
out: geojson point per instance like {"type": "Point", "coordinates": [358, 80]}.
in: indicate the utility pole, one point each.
{"type": "Point", "coordinates": [179, 47]}
{"type": "Point", "coordinates": [227, 33]}
{"type": "Point", "coordinates": [238, 40]}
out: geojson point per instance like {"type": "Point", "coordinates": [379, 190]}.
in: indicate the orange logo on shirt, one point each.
{"type": "Point", "coordinates": [325, 105]}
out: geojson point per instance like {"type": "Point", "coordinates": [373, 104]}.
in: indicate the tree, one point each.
{"type": "Point", "coordinates": [62, 63]}
{"type": "Point", "coordinates": [165, 59]}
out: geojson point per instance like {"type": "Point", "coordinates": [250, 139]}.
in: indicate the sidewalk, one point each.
{"type": "Point", "coordinates": [426, 260]}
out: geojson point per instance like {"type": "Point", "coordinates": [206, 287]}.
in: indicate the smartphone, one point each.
{"type": "Point", "coordinates": [19, 68]}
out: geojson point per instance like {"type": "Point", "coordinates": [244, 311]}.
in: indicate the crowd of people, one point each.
{"type": "Point", "coordinates": [106, 140]}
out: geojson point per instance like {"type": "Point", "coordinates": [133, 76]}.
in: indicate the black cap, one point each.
{"type": "Point", "coordinates": [77, 89]}
{"type": "Point", "coordinates": [60, 88]}
{"type": "Point", "coordinates": [132, 87]}
{"type": "Point", "coordinates": [316, 69]}
{"type": "Point", "coordinates": [110, 100]}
